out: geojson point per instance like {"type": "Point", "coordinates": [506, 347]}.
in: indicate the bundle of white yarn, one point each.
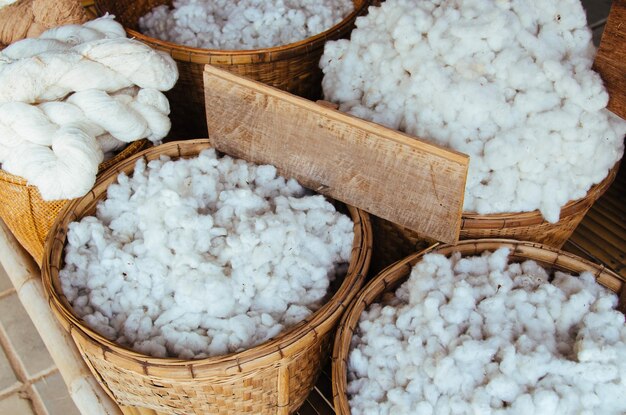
{"type": "Point", "coordinates": [73, 94]}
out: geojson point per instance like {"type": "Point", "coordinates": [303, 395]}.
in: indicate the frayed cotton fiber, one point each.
{"type": "Point", "coordinates": [478, 335]}
{"type": "Point", "coordinates": [202, 257]}
{"type": "Point", "coordinates": [507, 82]}
{"type": "Point", "coordinates": [242, 24]}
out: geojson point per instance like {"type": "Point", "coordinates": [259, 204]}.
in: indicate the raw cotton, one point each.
{"type": "Point", "coordinates": [74, 94]}
{"type": "Point", "coordinates": [242, 24]}
{"type": "Point", "coordinates": [507, 82]}
{"type": "Point", "coordinates": [478, 335]}
{"type": "Point", "coordinates": [201, 257]}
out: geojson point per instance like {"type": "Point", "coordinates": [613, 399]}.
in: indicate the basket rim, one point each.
{"type": "Point", "coordinates": [534, 217]}
{"type": "Point", "coordinates": [398, 272]}
{"type": "Point", "coordinates": [281, 346]}
{"type": "Point", "coordinates": [204, 56]}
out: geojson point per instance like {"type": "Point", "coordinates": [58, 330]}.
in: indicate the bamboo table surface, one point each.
{"type": "Point", "coordinates": [601, 237]}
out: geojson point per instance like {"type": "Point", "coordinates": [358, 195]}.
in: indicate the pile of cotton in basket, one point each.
{"type": "Point", "coordinates": [204, 256]}
{"type": "Point", "coordinates": [507, 82]}
{"type": "Point", "coordinates": [480, 336]}
{"type": "Point", "coordinates": [242, 24]}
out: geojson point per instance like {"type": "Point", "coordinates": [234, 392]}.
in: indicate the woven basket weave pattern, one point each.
{"type": "Point", "coordinates": [258, 389]}
{"type": "Point", "coordinates": [293, 68]}
{"type": "Point", "coordinates": [28, 216]}
{"type": "Point", "coordinates": [393, 276]}
{"type": "Point", "coordinates": [393, 242]}
{"type": "Point", "coordinates": [274, 377]}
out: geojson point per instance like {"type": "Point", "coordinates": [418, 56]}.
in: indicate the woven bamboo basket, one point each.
{"type": "Point", "coordinates": [28, 216]}
{"type": "Point", "coordinates": [394, 275]}
{"type": "Point", "coordinates": [393, 242]}
{"type": "Point", "coordinates": [293, 67]}
{"type": "Point", "coordinates": [272, 378]}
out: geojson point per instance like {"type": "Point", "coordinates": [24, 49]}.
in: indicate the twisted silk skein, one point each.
{"type": "Point", "coordinates": [73, 93]}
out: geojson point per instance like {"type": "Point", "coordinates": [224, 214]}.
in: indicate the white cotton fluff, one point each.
{"type": "Point", "coordinates": [242, 24]}
{"type": "Point", "coordinates": [507, 82]}
{"type": "Point", "coordinates": [204, 256]}
{"type": "Point", "coordinates": [478, 335]}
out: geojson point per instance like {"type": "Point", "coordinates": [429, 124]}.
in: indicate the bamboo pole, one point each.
{"type": "Point", "coordinates": [87, 394]}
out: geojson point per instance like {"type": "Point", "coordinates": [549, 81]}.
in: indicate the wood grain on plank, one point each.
{"type": "Point", "coordinates": [389, 174]}
{"type": "Point", "coordinates": [610, 59]}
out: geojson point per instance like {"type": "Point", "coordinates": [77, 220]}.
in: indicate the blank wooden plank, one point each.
{"type": "Point", "coordinates": [610, 60]}
{"type": "Point", "coordinates": [389, 174]}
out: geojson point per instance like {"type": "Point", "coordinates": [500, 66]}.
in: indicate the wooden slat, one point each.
{"type": "Point", "coordinates": [608, 215]}
{"type": "Point", "coordinates": [610, 60]}
{"type": "Point", "coordinates": [319, 403]}
{"type": "Point", "coordinates": [389, 174]}
{"type": "Point", "coordinates": [571, 246]}
{"type": "Point", "coordinates": [602, 243]}
{"type": "Point", "coordinates": [325, 385]}
{"type": "Point", "coordinates": [602, 233]}
{"type": "Point", "coordinates": [604, 228]}
{"type": "Point", "coordinates": [307, 409]}
{"type": "Point", "coordinates": [586, 241]}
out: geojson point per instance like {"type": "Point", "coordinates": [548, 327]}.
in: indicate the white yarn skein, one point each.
{"type": "Point", "coordinates": [105, 24]}
{"type": "Point", "coordinates": [125, 117]}
{"type": "Point", "coordinates": [142, 65]}
{"type": "Point", "coordinates": [24, 122]}
{"type": "Point", "coordinates": [109, 145]}
{"type": "Point", "coordinates": [30, 47]}
{"type": "Point", "coordinates": [62, 38]}
{"type": "Point", "coordinates": [50, 76]}
{"type": "Point", "coordinates": [67, 170]}
{"type": "Point", "coordinates": [57, 146]}
{"type": "Point", "coordinates": [35, 70]}
{"type": "Point", "coordinates": [62, 113]}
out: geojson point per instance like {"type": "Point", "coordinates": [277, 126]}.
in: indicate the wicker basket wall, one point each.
{"type": "Point", "coordinates": [28, 216]}
{"type": "Point", "coordinates": [393, 242]}
{"type": "Point", "coordinates": [393, 276]}
{"type": "Point", "coordinates": [293, 67]}
{"type": "Point", "coordinates": [272, 378]}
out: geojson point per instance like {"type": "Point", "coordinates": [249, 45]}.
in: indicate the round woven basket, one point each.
{"type": "Point", "coordinates": [393, 242]}
{"type": "Point", "coordinates": [272, 378]}
{"type": "Point", "coordinates": [293, 67]}
{"type": "Point", "coordinates": [395, 275]}
{"type": "Point", "coordinates": [28, 216]}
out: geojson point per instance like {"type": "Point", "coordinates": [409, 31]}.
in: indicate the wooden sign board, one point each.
{"type": "Point", "coordinates": [610, 61]}
{"type": "Point", "coordinates": [384, 172]}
